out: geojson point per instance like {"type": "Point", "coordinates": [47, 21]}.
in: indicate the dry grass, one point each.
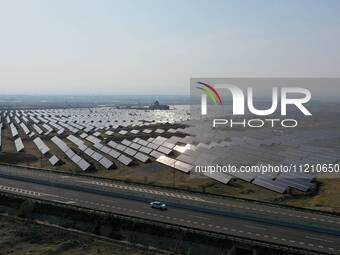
{"type": "Point", "coordinates": [328, 197]}
{"type": "Point", "coordinates": [154, 173]}
{"type": "Point", "coordinates": [18, 238]}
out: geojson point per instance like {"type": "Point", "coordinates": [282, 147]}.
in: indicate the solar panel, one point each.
{"type": "Point", "coordinates": [159, 140]}
{"type": "Point", "coordinates": [221, 177]}
{"type": "Point", "coordinates": [300, 177]}
{"type": "Point", "coordinates": [70, 153]}
{"type": "Point", "coordinates": [53, 160]}
{"type": "Point", "coordinates": [134, 131]}
{"type": "Point", "coordinates": [124, 159]}
{"type": "Point", "coordinates": [59, 143]}
{"type": "Point", "coordinates": [89, 152]}
{"type": "Point", "coordinates": [121, 147]}
{"type": "Point", "coordinates": [96, 156]}
{"type": "Point", "coordinates": [76, 158]}
{"type": "Point", "coordinates": [113, 153]}
{"type": "Point", "coordinates": [105, 162]}
{"type": "Point", "coordinates": [152, 146]}
{"type": "Point", "coordinates": [41, 145]}
{"type": "Point", "coordinates": [130, 151]}
{"type": "Point", "coordinates": [271, 185]}
{"type": "Point", "coordinates": [96, 134]}
{"type": "Point", "coordinates": [24, 127]}
{"type": "Point", "coordinates": [105, 149]}
{"type": "Point", "coordinates": [164, 150]}
{"type": "Point", "coordinates": [233, 147]}
{"type": "Point", "coordinates": [291, 182]}
{"type": "Point", "coordinates": [141, 157]}
{"type": "Point", "coordinates": [123, 132]}
{"type": "Point", "coordinates": [82, 147]}
{"type": "Point", "coordinates": [18, 144]}
{"type": "Point", "coordinates": [142, 142]}
{"type": "Point", "coordinates": [98, 146]}
{"type": "Point", "coordinates": [203, 145]}
{"type": "Point", "coordinates": [145, 149]}
{"type": "Point", "coordinates": [83, 164]}
{"type": "Point", "coordinates": [180, 149]}
{"type": "Point", "coordinates": [14, 130]}
{"type": "Point", "coordinates": [93, 139]}
{"type": "Point", "coordinates": [112, 144]}
{"type": "Point", "coordinates": [186, 158]}
{"type": "Point", "coordinates": [159, 131]}
{"type": "Point", "coordinates": [83, 135]}
{"type": "Point", "coordinates": [248, 177]}
{"type": "Point", "coordinates": [174, 139]}
{"type": "Point", "coordinates": [187, 139]}
{"type": "Point", "coordinates": [44, 150]}
{"type": "Point", "coordinates": [166, 160]}
{"type": "Point", "coordinates": [156, 154]}
{"type": "Point", "coordinates": [147, 131]}
{"type": "Point", "coordinates": [75, 140]}
{"type": "Point", "coordinates": [135, 146]}
{"type": "Point", "coordinates": [48, 128]}
{"type": "Point", "coordinates": [179, 165]}
{"type": "Point", "coordinates": [126, 142]}
{"type": "Point", "coordinates": [168, 145]}
{"type": "Point", "coordinates": [37, 129]}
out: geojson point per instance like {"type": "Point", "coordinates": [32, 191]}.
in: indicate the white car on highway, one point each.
{"type": "Point", "coordinates": [158, 205]}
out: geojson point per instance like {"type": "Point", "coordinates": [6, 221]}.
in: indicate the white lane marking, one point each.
{"type": "Point", "coordinates": [195, 198]}
{"type": "Point", "coordinates": [199, 217]}
{"type": "Point", "coordinates": [276, 212]}
{"type": "Point", "coordinates": [319, 239]}
{"type": "Point", "coordinates": [254, 227]}
{"type": "Point", "coordinates": [126, 187]}
{"type": "Point", "coordinates": [180, 219]}
{"type": "Point", "coordinates": [24, 191]}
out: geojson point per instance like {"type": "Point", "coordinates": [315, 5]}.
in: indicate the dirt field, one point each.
{"type": "Point", "coordinates": [159, 174]}
{"type": "Point", "coordinates": [19, 237]}
{"type": "Point", "coordinates": [149, 173]}
{"type": "Point", "coordinates": [328, 197]}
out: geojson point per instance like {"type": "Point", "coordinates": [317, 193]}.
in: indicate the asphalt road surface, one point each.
{"type": "Point", "coordinates": [263, 222]}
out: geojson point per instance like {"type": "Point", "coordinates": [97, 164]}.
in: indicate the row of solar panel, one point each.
{"type": "Point", "coordinates": [81, 163]}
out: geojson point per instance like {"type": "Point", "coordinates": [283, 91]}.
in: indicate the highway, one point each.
{"type": "Point", "coordinates": [263, 222]}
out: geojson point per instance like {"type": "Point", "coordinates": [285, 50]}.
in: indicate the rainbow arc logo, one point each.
{"type": "Point", "coordinates": [214, 96]}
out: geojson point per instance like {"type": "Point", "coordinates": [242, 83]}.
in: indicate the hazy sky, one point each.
{"type": "Point", "coordinates": [156, 46]}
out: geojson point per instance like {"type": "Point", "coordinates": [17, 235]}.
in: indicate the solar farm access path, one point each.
{"type": "Point", "coordinates": [301, 229]}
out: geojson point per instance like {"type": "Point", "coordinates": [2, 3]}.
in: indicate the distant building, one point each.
{"type": "Point", "coordinates": [157, 106]}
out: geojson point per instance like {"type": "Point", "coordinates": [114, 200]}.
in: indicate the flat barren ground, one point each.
{"type": "Point", "coordinates": [19, 237]}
